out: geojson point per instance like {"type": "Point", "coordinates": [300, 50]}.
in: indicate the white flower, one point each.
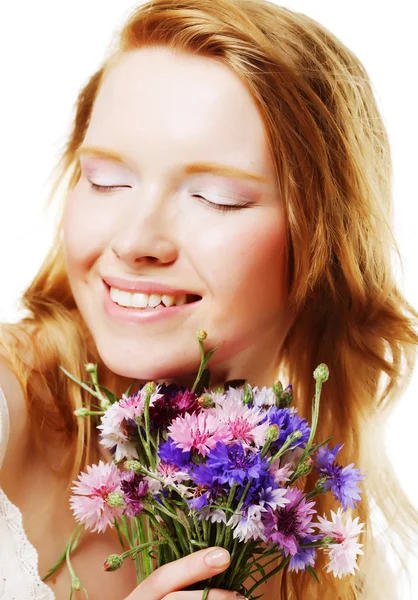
{"type": "Point", "coordinates": [343, 554]}
{"type": "Point", "coordinates": [248, 526]}
{"type": "Point", "coordinates": [216, 516]}
{"type": "Point", "coordinates": [264, 397]}
{"type": "Point", "coordinates": [114, 433]}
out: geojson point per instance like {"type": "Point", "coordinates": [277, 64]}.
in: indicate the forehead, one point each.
{"type": "Point", "coordinates": [169, 103]}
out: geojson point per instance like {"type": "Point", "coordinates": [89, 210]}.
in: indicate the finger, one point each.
{"type": "Point", "coordinates": [181, 573]}
{"type": "Point", "coordinates": [214, 594]}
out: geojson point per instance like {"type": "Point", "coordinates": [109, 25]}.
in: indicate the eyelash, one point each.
{"type": "Point", "coordinates": [222, 207]}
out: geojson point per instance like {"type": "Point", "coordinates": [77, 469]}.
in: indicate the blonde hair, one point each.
{"type": "Point", "coordinates": [333, 165]}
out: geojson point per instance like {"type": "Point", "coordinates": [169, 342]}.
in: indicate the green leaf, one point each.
{"type": "Point", "coordinates": [110, 395]}
{"type": "Point", "coordinates": [203, 382]}
{"type": "Point", "coordinates": [199, 544]}
{"type": "Point", "coordinates": [315, 448]}
{"type": "Point", "coordinates": [312, 572]}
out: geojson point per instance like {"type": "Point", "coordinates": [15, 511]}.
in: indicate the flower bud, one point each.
{"type": "Point", "coordinates": [90, 367]}
{"type": "Point", "coordinates": [272, 433]}
{"type": "Point", "coordinates": [82, 412]}
{"type": "Point", "coordinates": [321, 372]}
{"type": "Point", "coordinates": [248, 394]}
{"type": "Point", "coordinates": [105, 403]}
{"type": "Point", "coordinates": [205, 401]}
{"type": "Point", "coordinates": [113, 563]}
{"type": "Point", "coordinates": [75, 583]}
{"type": "Point", "coordinates": [320, 485]}
{"type": "Point", "coordinates": [286, 397]}
{"type": "Point", "coordinates": [150, 387]}
{"type": "Point", "coordinates": [132, 465]}
{"type": "Point", "coordinates": [201, 335]}
{"type": "Point", "coordinates": [304, 468]}
{"type": "Point", "coordinates": [277, 388]}
{"type": "Point", "coordinates": [327, 540]}
{"type": "Point", "coordinates": [115, 499]}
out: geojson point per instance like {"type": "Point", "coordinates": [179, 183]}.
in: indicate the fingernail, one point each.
{"type": "Point", "coordinates": [217, 558]}
{"type": "Point", "coordinates": [240, 597]}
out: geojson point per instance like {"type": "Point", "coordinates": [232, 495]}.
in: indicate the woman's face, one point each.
{"type": "Point", "coordinates": [162, 223]}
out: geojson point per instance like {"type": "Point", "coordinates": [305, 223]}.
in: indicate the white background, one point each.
{"type": "Point", "coordinates": [48, 49]}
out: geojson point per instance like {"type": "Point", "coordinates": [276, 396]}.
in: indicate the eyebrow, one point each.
{"type": "Point", "coordinates": [190, 169]}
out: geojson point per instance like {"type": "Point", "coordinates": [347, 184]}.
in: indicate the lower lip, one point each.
{"type": "Point", "coordinates": [138, 315]}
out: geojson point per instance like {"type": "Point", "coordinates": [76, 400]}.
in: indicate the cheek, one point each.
{"type": "Point", "coordinates": [246, 265]}
{"type": "Point", "coordinates": [86, 229]}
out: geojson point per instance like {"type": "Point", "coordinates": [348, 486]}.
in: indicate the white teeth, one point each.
{"type": "Point", "coordinates": [154, 300]}
{"type": "Point", "coordinates": [168, 300]}
{"type": "Point", "coordinates": [124, 298]}
{"type": "Point", "coordinates": [138, 300]}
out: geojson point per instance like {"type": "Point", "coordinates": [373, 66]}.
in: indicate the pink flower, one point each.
{"type": "Point", "coordinates": [199, 431]}
{"type": "Point", "coordinates": [243, 422]}
{"type": "Point", "coordinates": [119, 428]}
{"type": "Point", "coordinates": [133, 406]}
{"type": "Point", "coordinates": [89, 502]}
{"type": "Point", "coordinates": [281, 474]}
{"type": "Point", "coordinates": [343, 554]}
{"type": "Point", "coordinates": [290, 523]}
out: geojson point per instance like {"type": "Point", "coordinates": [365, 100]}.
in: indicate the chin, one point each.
{"type": "Point", "coordinates": [153, 368]}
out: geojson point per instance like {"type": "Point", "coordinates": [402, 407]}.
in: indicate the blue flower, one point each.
{"type": "Point", "coordinates": [288, 422]}
{"type": "Point", "coordinates": [304, 557]}
{"type": "Point", "coordinates": [169, 452]}
{"type": "Point", "coordinates": [233, 464]}
{"type": "Point", "coordinates": [207, 488]}
{"type": "Point", "coordinates": [260, 490]}
{"type": "Point", "coordinates": [342, 481]}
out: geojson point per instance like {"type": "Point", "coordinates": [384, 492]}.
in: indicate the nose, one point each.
{"type": "Point", "coordinates": [146, 234]}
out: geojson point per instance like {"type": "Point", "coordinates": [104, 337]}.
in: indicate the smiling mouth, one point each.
{"type": "Point", "coordinates": [149, 302]}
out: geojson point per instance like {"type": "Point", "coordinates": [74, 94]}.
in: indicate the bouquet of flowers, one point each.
{"type": "Point", "coordinates": [198, 468]}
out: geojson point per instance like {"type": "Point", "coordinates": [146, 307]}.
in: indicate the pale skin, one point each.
{"type": "Point", "coordinates": [162, 111]}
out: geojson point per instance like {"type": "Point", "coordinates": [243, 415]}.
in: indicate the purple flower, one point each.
{"type": "Point", "coordinates": [342, 481]}
{"type": "Point", "coordinates": [290, 524]}
{"type": "Point", "coordinates": [259, 489]}
{"type": "Point", "coordinates": [168, 452]}
{"type": "Point", "coordinates": [303, 558]}
{"type": "Point", "coordinates": [207, 488]}
{"type": "Point", "coordinates": [233, 464]}
{"type": "Point", "coordinates": [288, 422]}
{"type": "Point", "coordinates": [175, 402]}
{"type": "Point", "coordinates": [134, 488]}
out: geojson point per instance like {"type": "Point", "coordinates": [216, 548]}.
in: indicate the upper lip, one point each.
{"type": "Point", "coordinates": [145, 287]}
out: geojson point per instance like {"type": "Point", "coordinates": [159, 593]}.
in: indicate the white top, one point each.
{"type": "Point", "coordinates": [19, 577]}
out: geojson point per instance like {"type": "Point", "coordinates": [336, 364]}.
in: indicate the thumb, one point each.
{"type": "Point", "coordinates": [181, 573]}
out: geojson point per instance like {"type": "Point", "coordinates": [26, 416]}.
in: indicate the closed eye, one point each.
{"type": "Point", "coordinates": [222, 207]}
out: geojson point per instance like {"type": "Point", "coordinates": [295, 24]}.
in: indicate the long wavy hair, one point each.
{"type": "Point", "coordinates": [334, 172]}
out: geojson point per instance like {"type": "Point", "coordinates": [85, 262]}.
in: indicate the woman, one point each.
{"type": "Point", "coordinates": [282, 254]}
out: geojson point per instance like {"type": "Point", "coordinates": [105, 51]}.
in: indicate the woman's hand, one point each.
{"type": "Point", "coordinates": [167, 582]}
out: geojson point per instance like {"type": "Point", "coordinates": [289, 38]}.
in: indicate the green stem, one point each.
{"type": "Point", "coordinates": [315, 415]}
{"type": "Point", "coordinates": [289, 440]}
{"type": "Point", "coordinates": [148, 428]}
{"type": "Point", "coordinates": [70, 546]}
{"type": "Point", "coordinates": [163, 533]}
{"type": "Point", "coordinates": [273, 572]}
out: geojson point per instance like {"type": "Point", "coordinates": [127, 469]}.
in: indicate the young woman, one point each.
{"type": "Point", "coordinates": [228, 157]}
